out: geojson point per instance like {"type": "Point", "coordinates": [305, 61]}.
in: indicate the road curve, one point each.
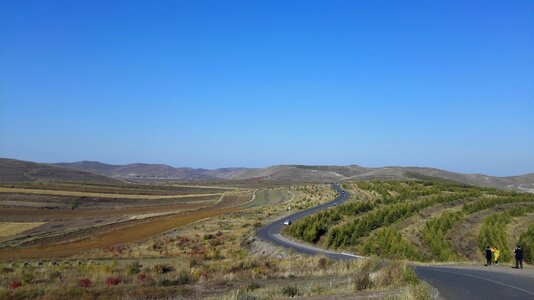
{"type": "Point", "coordinates": [451, 282]}
{"type": "Point", "coordinates": [271, 232]}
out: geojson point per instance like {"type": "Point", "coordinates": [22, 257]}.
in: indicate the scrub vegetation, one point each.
{"type": "Point", "coordinates": [374, 225]}
{"type": "Point", "coordinates": [207, 249]}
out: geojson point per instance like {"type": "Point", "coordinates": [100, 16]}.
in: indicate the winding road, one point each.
{"type": "Point", "coordinates": [452, 282]}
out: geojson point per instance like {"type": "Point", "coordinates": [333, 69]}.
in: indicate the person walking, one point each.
{"type": "Point", "coordinates": [496, 254]}
{"type": "Point", "coordinates": [518, 257]}
{"type": "Point", "coordinates": [488, 256]}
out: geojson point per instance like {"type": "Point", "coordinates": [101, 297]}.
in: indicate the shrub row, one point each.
{"type": "Point", "coordinates": [526, 240]}
{"type": "Point", "coordinates": [434, 233]}
{"type": "Point", "coordinates": [493, 230]}
{"type": "Point", "coordinates": [349, 233]}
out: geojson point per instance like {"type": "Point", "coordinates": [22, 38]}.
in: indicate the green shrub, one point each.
{"type": "Point", "coordinates": [434, 235]}
{"type": "Point", "coordinates": [410, 277]}
{"type": "Point", "coordinates": [387, 242]}
{"type": "Point", "coordinates": [134, 268]}
{"type": "Point", "coordinates": [493, 230]}
{"type": "Point", "coordinates": [526, 241]}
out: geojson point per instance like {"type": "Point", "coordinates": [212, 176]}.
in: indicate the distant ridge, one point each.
{"type": "Point", "coordinates": [12, 170]}
{"type": "Point", "coordinates": [152, 171]}
{"type": "Point", "coordinates": [300, 173]}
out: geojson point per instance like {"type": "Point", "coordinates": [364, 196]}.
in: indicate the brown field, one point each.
{"type": "Point", "coordinates": [27, 212]}
{"type": "Point", "coordinates": [81, 234]}
{"type": "Point", "coordinates": [119, 236]}
{"type": "Point", "coordinates": [98, 195]}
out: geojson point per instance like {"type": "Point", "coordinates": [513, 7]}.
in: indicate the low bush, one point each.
{"type": "Point", "coordinates": [134, 268]}
{"type": "Point", "coordinates": [361, 281]}
{"type": "Point", "coordinates": [526, 241]}
{"type": "Point", "coordinates": [290, 291]}
{"type": "Point", "coordinates": [183, 278]}
{"type": "Point", "coordinates": [162, 269]}
{"type": "Point", "coordinates": [15, 284]}
{"type": "Point", "coordinates": [55, 275]}
{"type": "Point", "coordinates": [111, 281]}
{"type": "Point", "coordinates": [253, 286]}
{"type": "Point", "coordinates": [85, 283]}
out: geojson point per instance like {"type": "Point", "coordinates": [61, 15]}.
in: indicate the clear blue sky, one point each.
{"type": "Point", "coordinates": [447, 84]}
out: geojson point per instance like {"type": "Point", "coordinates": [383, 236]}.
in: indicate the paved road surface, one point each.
{"type": "Point", "coordinates": [451, 282]}
{"type": "Point", "coordinates": [271, 232]}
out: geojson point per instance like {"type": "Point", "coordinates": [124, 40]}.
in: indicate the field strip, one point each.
{"type": "Point", "coordinates": [99, 195]}
{"type": "Point", "coordinates": [121, 235]}
{"type": "Point", "coordinates": [67, 213]}
{"type": "Point", "coordinates": [12, 228]}
{"type": "Point", "coordinates": [214, 187]}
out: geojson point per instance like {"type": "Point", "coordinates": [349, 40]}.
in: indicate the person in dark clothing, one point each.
{"type": "Point", "coordinates": [518, 257]}
{"type": "Point", "coordinates": [488, 256]}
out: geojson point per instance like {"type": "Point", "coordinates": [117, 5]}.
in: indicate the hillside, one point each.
{"type": "Point", "coordinates": [422, 221]}
{"type": "Point", "coordinates": [12, 170]}
{"type": "Point", "coordinates": [153, 171]}
{"type": "Point", "coordinates": [301, 173]}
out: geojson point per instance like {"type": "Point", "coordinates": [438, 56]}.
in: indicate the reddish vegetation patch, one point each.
{"type": "Point", "coordinates": [86, 283]}
{"type": "Point", "coordinates": [113, 281]}
{"type": "Point", "coordinates": [15, 284]}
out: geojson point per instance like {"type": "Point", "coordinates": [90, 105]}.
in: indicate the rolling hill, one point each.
{"type": "Point", "coordinates": [12, 170]}
{"type": "Point", "coordinates": [142, 171]}
{"type": "Point", "coordinates": [300, 173]}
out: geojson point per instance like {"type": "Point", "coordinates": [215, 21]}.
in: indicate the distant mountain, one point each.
{"type": "Point", "coordinates": [92, 170]}
{"type": "Point", "coordinates": [142, 171]}
{"type": "Point", "coordinates": [12, 170]}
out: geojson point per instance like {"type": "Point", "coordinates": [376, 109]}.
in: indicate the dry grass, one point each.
{"type": "Point", "coordinates": [99, 195]}
{"type": "Point", "coordinates": [13, 228]}
{"type": "Point", "coordinates": [122, 235]}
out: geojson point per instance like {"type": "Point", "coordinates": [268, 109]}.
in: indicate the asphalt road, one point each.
{"type": "Point", "coordinates": [451, 282]}
{"type": "Point", "coordinates": [271, 232]}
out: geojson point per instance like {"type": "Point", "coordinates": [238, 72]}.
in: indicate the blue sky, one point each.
{"type": "Point", "coordinates": [447, 84]}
